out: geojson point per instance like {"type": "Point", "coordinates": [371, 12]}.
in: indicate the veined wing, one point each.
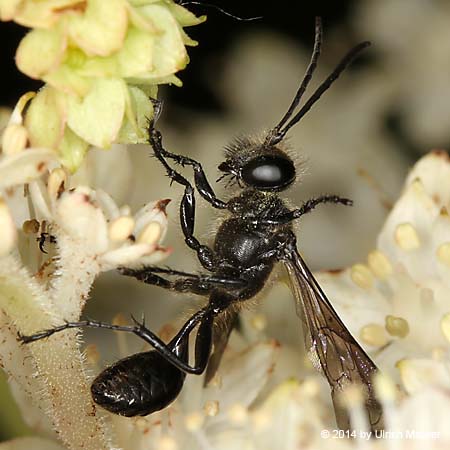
{"type": "Point", "coordinates": [332, 348]}
{"type": "Point", "coordinates": [221, 333]}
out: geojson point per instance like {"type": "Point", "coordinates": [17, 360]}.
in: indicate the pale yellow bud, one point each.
{"type": "Point", "coordinates": [443, 253]}
{"type": "Point", "coordinates": [14, 139]}
{"type": "Point", "coordinates": [379, 264]}
{"type": "Point", "coordinates": [406, 237]}
{"type": "Point", "coordinates": [374, 334]}
{"type": "Point", "coordinates": [9, 233]}
{"type": "Point", "coordinates": [194, 421]}
{"type": "Point", "coordinates": [151, 234]}
{"type": "Point", "coordinates": [211, 408]}
{"type": "Point", "coordinates": [56, 182]}
{"type": "Point", "coordinates": [361, 276]}
{"type": "Point", "coordinates": [397, 326]}
{"type": "Point", "coordinates": [121, 228]}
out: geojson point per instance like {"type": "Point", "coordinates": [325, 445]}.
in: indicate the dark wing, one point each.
{"type": "Point", "coordinates": [223, 326]}
{"type": "Point", "coordinates": [330, 345]}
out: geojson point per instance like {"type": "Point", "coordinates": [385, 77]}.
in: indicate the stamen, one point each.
{"type": "Point", "coordinates": [151, 234]}
{"type": "Point", "coordinates": [374, 334]}
{"type": "Point", "coordinates": [92, 355]}
{"type": "Point", "coordinates": [443, 253]}
{"type": "Point", "coordinates": [445, 326]}
{"type": "Point", "coordinates": [8, 228]}
{"type": "Point", "coordinates": [211, 408]}
{"type": "Point", "coordinates": [238, 414]}
{"type": "Point", "coordinates": [397, 326]}
{"type": "Point", "coordinates": [122, 344]}
{"type": "Point", "coordinates": [379, 264]}
{"type": "Point", "coordinates": [259, 322]}
{"type": "Point", "coordinates": [14, 139]}
{"type": "Point", "coordinates": [361, 276]}
{"type": "Point", "coordinates": [194, 421]}
{"type": "Point", "coordinates": [406, 237]}
{"type": "Point", "coordinates": [121, 228]}
{"type": "Point", "coordinates": [56, 181]}
{"type": "Point", "coordinates": [167, 443]}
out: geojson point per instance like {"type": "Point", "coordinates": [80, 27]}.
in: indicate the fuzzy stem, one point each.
{"type": "Point", "coordinates": [62, 377]}
{"type": "Point", "coordinates": [73, 278]}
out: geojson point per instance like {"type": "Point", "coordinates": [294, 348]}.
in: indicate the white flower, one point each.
{"type": "Point", "coordinates": [84, 233]}
{"type": "Point", "coordinates": [398, 302]}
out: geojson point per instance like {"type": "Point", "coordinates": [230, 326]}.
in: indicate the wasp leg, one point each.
{"type": "Point", "coordinates": [200, 180]}
{"type": "Point", "coordinates": [187, 206]}
{"type": "Point", "coordinates": [307, 207]}
{"type": "Point", "coordinates": [171, 351]}
{"type": "Point", "coordinates": [188, 282]}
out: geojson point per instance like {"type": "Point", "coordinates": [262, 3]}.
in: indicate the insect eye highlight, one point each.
{"type": "Point", "coordinates": [269, 172]}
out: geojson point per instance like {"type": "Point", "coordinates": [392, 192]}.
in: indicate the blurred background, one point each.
{"type": "Point", "coordinates": [358, 141]}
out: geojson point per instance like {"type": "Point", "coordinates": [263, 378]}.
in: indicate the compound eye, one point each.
{"type": "Point", "coordinates": [269, 172]}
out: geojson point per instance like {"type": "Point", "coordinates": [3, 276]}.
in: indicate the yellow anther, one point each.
{"type": "Point", "coordinates": [397, 326]}
{"type": "Point", "coordinates": [151, 234]}
{"type": "Point", "coordinates": [445, 326]}
{"type": "Point", "coordinates": [7, 228]}
{"type": "Point", "coordinates": [56, 181]}
{"type": "Point", "coordinates": [30, 226]}
{"type": "Point", "coordinates": [310, 387]}
{"type": "Point", "coordinates": [259, 322]}
{"type": "Point", "coordinates": [14, 139]}
{"type": "Point", "coordinates": [121, 228]}
{"type": "Point", "coordinates": [443, 253]}
{"type": "Point", "coordinates": [238, 414]}
{"type": "Point", "coordinates": [261, 420]}
{"type": "Point", "coordinates": [352, 396]}
{"type": "Point", "coordinates": [379, 264]}
{"type": "Point", "coordinates": [216, 381]}
{"type": "Point", "coordinates": [120, 320]}
{"type": "Point", "coordinates": [211, 408]}
{"type": "Point", "coordinates": [374, 334]}
{"type": "Point", "coordinates": [406, 237]}
{"type": "Point", "coordinates": [385, 388]}
{"type": "Point", "coordinates": [361, 276]}
{"type": "Point", "coordinates": [167, 443]}
{"type": "Point", "coordinates": [194, 421]}
{"type": "Point", "coordinates": [92, 354]}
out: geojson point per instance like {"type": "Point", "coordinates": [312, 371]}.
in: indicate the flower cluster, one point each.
{"type": "Point", "coordinates": [83, 232]}
{"type": "Point", "coordinates": [101, 61]}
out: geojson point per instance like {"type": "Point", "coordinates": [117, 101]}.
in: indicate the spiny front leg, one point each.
{"type": "Point", "coordinates": [187, 206]}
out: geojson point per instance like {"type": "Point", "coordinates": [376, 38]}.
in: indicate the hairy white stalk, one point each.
{"type": "Point", "coordinates": [62, 379]}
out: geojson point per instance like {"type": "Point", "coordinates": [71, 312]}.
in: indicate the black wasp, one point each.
{"type": "Point", "coordinates": [255, 235]}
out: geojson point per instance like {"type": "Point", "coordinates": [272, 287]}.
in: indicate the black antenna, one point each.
{"type": "Point", "coordinates": [304, 84]}
{"type": "Point", "coordinates": [223, 11]}
{"type": "Point", "coordinates": [277, 134]}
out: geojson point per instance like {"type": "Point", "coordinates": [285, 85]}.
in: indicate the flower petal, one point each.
{"type": "Point", "coordinates": [25, 166]}
{"type": "Point", "coordinates": [45, 118]}
{"type": "Point", "coordinates": [243, 376]}
{"type": "Point", "coordinates": [101, 29]}
{"type": "Point", "coordinates": [97, 117]}
{"type": "Point", "coordinates": [40, 51]}
{"type": "Point", "coordinates": [81, 219]}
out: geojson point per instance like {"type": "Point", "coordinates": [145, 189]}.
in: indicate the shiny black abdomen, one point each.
{"type": "Point", "coordinates": [138, 385]}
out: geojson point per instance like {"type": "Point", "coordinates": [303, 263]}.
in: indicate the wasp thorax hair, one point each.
{"type": "Point", "coordinates": [255, 234]}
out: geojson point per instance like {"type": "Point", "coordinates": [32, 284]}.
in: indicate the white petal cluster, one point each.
{"type": "Point", "coordinates": [57, 237]}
